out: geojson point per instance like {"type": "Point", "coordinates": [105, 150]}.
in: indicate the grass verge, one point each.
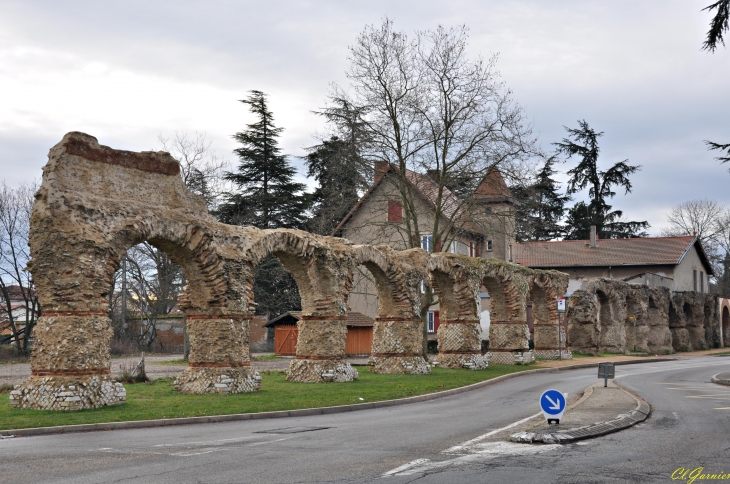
{"type": "Point", "coordinates": [180, 362]}
{"type": "Point", "coordinates": [157, 399]}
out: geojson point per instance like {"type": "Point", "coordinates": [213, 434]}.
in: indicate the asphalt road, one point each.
{"type": "Point", "coordinates": [441, 441]}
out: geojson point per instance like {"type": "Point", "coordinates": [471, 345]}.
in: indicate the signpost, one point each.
{"type": "Point", "coordinates": [606, 371]}
{"type": "Point", "coordinates": [552, 403]}
{"type": "Point", "coordinates": [561, 310]}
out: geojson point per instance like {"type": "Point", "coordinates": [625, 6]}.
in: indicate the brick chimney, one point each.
{"type": "Point", "coordinates": [381, 168]}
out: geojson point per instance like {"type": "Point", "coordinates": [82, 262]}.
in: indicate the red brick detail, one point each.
{"type": "Point", "coordinates": [148, 162]}
{"type": "Point", "coordinates": [461, 352]}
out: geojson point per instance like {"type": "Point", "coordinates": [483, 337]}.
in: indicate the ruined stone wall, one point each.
{"type": "Point", "coordinates": [457, 281]}
{"type": "Point", "coordinates": [399, 328]}
{"type": "Point", "coordinates": [95, 203]}
{"type": "Point", "coordinates": [613, 316]}
{"type": "Point", "coordinates": [548, 336]}
{"type": "Point", "coordinates": [694, 321]}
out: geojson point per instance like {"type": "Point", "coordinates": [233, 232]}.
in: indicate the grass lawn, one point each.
{"type": "Point", "coordinates": [157, 399]}
{"type": "Point", "coordinates": [170, 362]}
{"type": "Point", "coordinates": [603, 354]}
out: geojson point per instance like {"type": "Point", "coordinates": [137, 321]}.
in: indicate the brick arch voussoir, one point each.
{"type": "Point", "coordinates": [322, 267]}
{"type": "Point", "coordinates": [396, 280]}
{"type": "Point", "coordinates": [456, 280]}
{"type": "Point", "coordinates": [192, 246]}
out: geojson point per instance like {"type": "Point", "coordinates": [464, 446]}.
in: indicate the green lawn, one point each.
{"type": "Point", "coordinates": [603, 354]}
{"type": "Point", "coordinates": [180, 362]}
{"type": "Point", "coordinates": [158, 399]}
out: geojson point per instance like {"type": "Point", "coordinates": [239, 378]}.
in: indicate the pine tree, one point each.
{"type": "Point", "coordinates": [340, 180]}
{"type": "Point", "coordinates": [583, 142]}
{"type": "Point", "coordinates": [268, 198]}
{"type": "Point", "coordinates": [542, 207]}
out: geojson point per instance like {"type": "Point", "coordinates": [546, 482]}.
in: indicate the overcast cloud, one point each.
{"type": "Point", "coordinates": [129, 71]}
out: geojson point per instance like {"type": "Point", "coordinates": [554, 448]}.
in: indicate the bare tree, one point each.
{"type": "Point", "coordinates": [427, 108]}
{"type": "Point", "coordinates": [153, 285]}
{"type": "Point", "coordinates": [19, 307]}
{"type": "Point", "coordinates": [200, 168]}
{"type": "Point", "coordinates": [708, 220]}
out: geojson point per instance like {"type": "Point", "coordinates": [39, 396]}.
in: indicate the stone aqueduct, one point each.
{"type": "Point", "coordinates": [95, 203]}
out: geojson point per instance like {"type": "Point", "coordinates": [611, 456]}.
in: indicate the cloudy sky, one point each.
{"type": "Point", "coordinates": [129, 71]}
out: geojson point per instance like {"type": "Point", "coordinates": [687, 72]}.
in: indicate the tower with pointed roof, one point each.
{"type": "Point", "coordinates": [495, 214]}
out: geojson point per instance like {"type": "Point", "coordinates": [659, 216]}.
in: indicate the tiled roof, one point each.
{"type": "Point", "coordinates": [353, 319]}
{"type": "Point", "coordinates": [493, 186]}
{"type": "Point", "coordinates": [609, 252]}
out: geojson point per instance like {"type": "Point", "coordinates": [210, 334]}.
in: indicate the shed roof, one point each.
{"type": "Point", "coordinates": [291, 317]}
{"type": "Point", "coordinates": [609, 252]}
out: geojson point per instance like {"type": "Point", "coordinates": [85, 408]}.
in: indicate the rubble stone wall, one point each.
{"type": "Point", "coordinates": [548, 335]}
{"type": "Point", "coordinates": [95, 203]}
{"type": "Point", "coordinates": [399, 327]}
{"type": "Point", "coordinates": [614, 316]}
{"type": "Point", "coordinates": [457, 281]}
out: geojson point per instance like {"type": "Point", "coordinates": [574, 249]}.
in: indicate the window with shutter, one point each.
{"type": "Point", "coordinates": [395, 211]}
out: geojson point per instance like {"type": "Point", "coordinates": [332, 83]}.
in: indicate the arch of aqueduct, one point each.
{"type": "Point", "coordinates": [95, 203]}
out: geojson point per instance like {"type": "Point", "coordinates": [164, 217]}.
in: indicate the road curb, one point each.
{"type": "Point", "coordinates": [720, 381]}
{"type": "Point", "coordinates": [621, 422]}
{"type": "Point", "coordinates": [305, 412]}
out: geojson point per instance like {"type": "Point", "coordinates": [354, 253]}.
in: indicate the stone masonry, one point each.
{"type": "Point", "coordinates": [95, 203]}
{"type": "Point", "coordinates": [618, 317]}
{"type": "Point", "coordinates": [398, 332]}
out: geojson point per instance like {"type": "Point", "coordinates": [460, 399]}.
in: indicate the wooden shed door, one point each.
{"type": "Point", "coordinates": [285, 340]}
{"type": "Point", "coordinates": [359, 341]}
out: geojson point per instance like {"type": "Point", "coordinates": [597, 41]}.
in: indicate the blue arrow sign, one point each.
{"type": "Point", "coordinates": [552, 402]}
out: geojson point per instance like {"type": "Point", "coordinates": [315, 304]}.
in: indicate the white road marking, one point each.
{"type": "Point", "coordinates": [465, 445]}
{"type": "Point", "coordinates": [488, 450]}
{"type": "Point", "coordinates": [405, 467]}
{"type": "Point", "coordinates": [473, 450]}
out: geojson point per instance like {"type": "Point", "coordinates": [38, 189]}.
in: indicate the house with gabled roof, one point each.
{"type": "Point", "coordinates": [678, 263]}
{"type": "Point", "coordinates": [483, 226]}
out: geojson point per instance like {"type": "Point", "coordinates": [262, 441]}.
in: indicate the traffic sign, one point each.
{"type": "Point", "coordinates": [561, 305]}
{"type": "Point", "coordinates": [552, 403]}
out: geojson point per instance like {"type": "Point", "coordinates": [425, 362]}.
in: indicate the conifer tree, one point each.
{"type": "Point", "coordinates": [268, 197]}
{"type": "Point", "coordinates": [583, 142]}
{"type": "Point", "coordinates": [542, 207]}
{"type": "Point", "coordinates": [339, 180]}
